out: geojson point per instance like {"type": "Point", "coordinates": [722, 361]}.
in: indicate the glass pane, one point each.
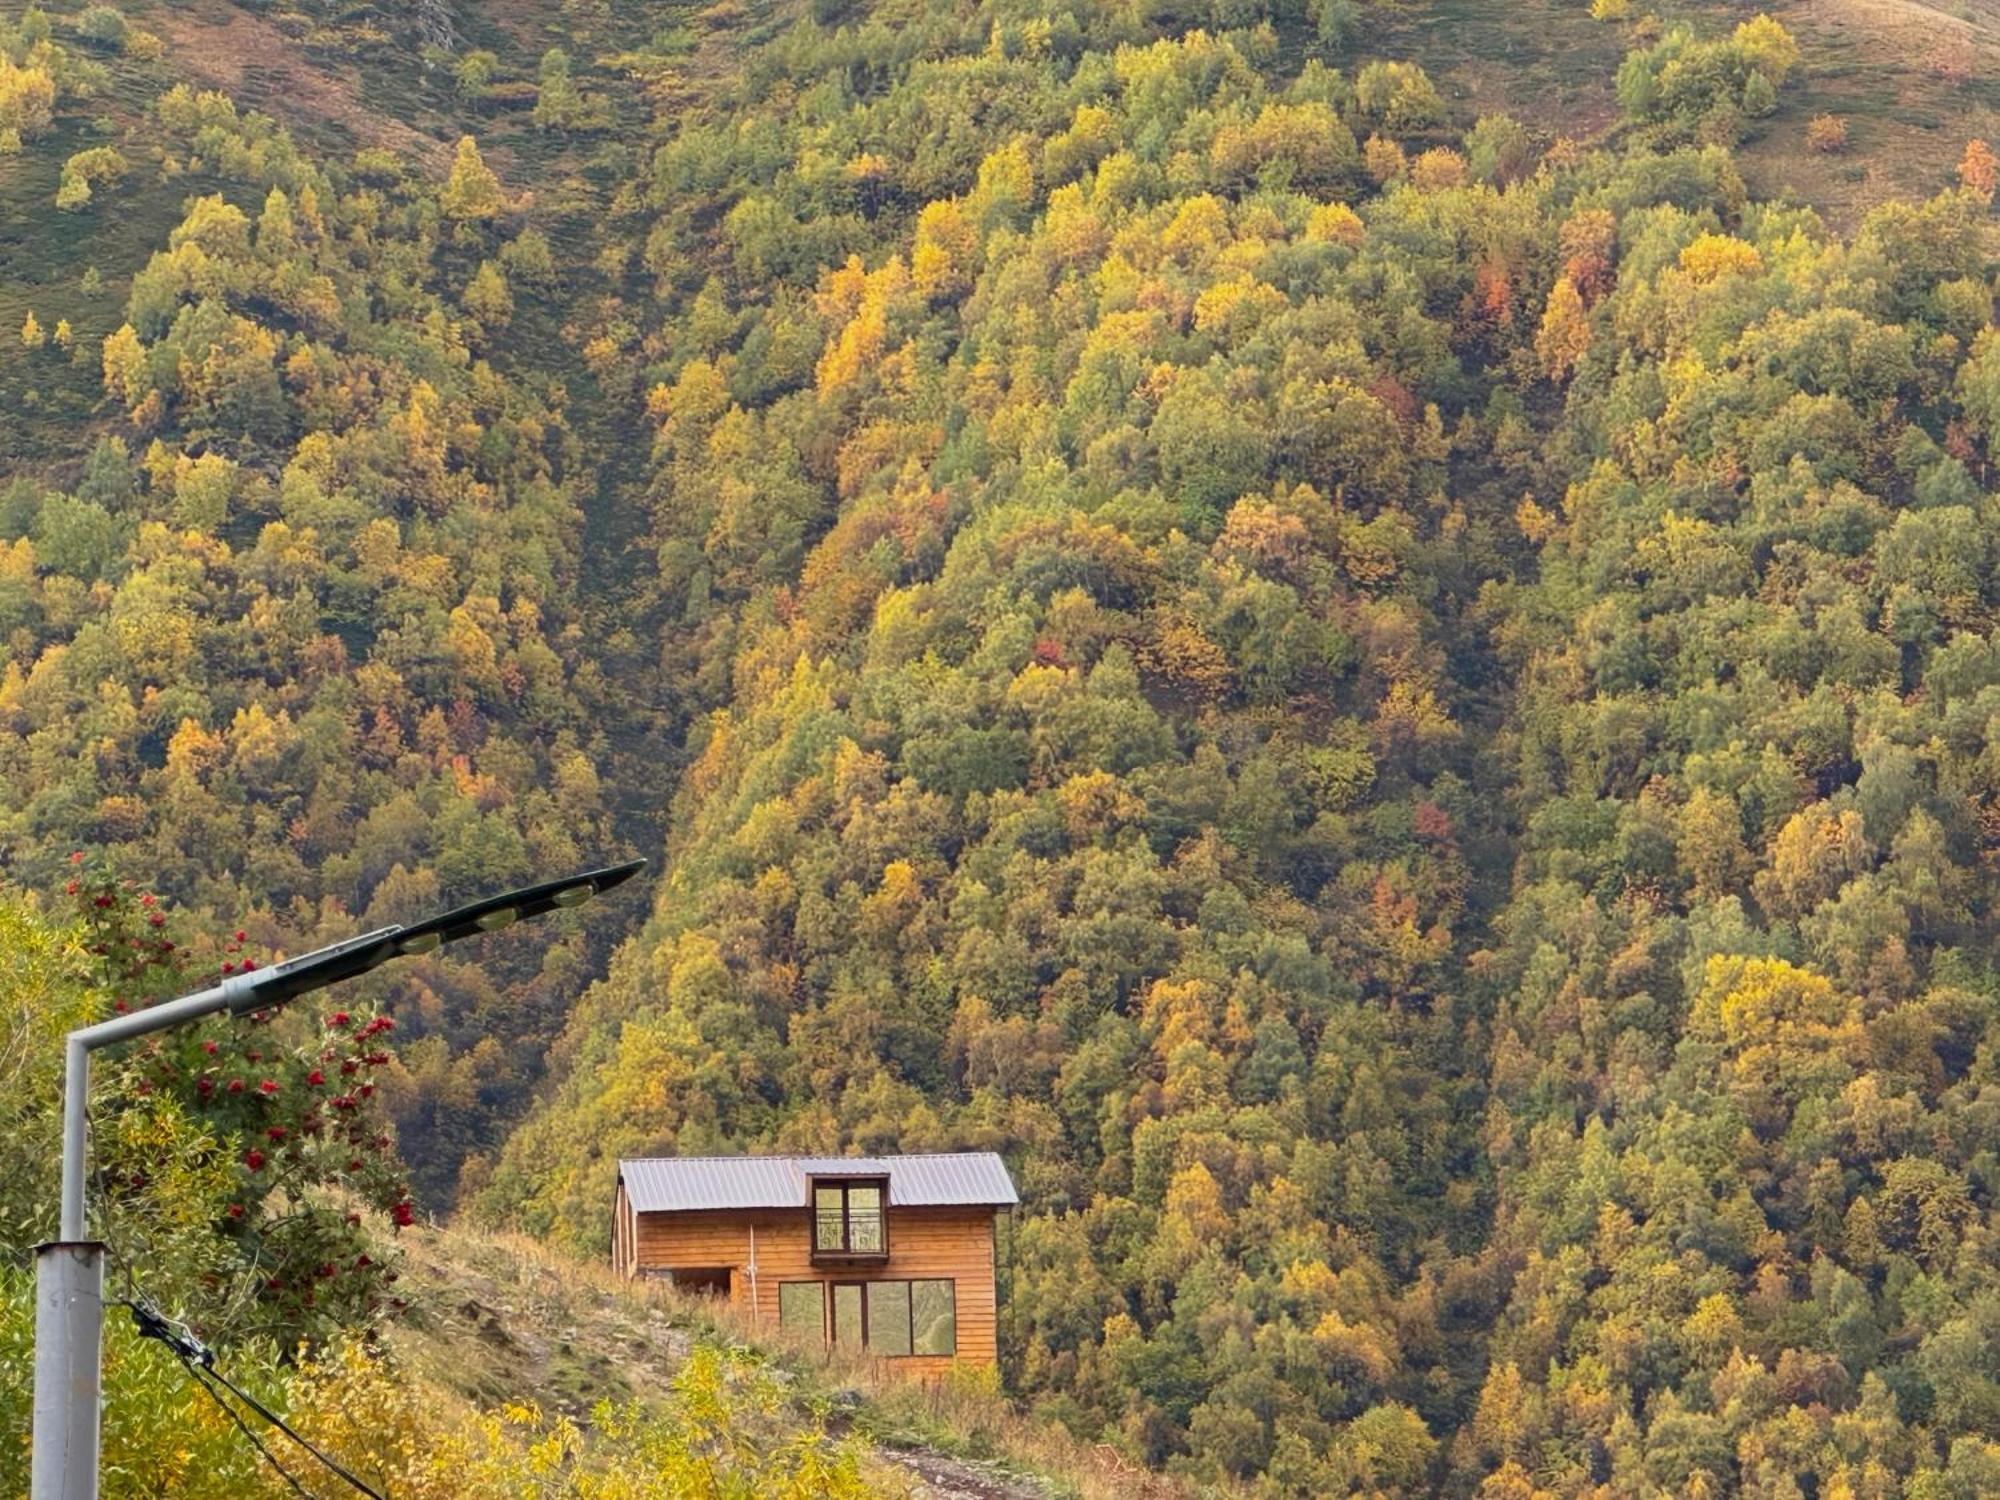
{"type": "Point", "coordinates": [934, 1314]}
{"type": "Point", "coordinates": [889, 1317]}
{"type": "Point", "coordinates": [864, 1219]}
{"type": "Point", "coordinates": [827, 1230]}
{"type": "Point", "coordinates": [802, 1305]}
{"type": "Point", "coordinates": [847, 1315]}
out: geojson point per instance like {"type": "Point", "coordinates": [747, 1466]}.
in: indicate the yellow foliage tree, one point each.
{"type": "Point", "coordinates": [1979, 168]}
{"type": "Point", "coordinates": [1710, 257]}
{"type": "Point", "coordinates": [946, 253]}
{"type": "Point", "coordinates": [125, 366]}
{"type": "Point", "coordinates": [472, 193]}
{"type": "Point", "coordinates": [27, 101]}
{"type": "Point", "coordinates": [1768, 46]}
{"type": "Point", "coordinates": [1564, 337]}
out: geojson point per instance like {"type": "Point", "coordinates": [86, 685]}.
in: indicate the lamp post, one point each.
{"type": "Point", "coordinates": [69, 1271]}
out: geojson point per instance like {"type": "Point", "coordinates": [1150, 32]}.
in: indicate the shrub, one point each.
{"type": "Point", "coordinates": [104, 25]}
{"type": "Point", "coordinates": [1827, 134]}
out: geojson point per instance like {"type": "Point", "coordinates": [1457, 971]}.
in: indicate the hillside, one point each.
{"type": "Point", "coordinates": [491, 1317]}
{"type": "Point", "coordinates": [1359, 632]}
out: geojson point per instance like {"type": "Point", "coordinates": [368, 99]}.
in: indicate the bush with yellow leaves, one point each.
{"type": "Point", "coordinates": [727, 1430]}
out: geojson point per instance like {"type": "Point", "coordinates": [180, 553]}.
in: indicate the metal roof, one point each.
{"type": "Point", "coordinates": [666, 1184]}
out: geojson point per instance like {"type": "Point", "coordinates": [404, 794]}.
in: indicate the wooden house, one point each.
{"type": "Point", "coordinates": [892, 1254]}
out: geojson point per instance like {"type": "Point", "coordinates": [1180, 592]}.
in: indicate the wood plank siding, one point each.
{"type": "Point", "coordinates": [955, 1244]}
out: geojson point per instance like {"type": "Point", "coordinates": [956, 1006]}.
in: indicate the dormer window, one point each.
{"type": "Point", "coordinates": [850, 1218]}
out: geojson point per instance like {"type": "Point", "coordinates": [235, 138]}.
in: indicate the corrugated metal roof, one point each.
{"type": "Point", "coordinates": [666, 1184]}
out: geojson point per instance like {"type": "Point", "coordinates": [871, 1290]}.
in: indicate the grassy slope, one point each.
{"type": "Point", "coordinates": [1550, 65]}
{"type": "Point", "coordinates": [493, 1317]}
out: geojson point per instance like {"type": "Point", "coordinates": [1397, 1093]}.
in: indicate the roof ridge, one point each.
{"type": "Point", "coordinates": [917, 1179]}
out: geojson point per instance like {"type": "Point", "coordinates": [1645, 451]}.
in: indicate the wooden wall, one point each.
{"type": "Point", "coordinates": [924, 1244]}
{"type": "Point", "coordinates": [623, 1249]}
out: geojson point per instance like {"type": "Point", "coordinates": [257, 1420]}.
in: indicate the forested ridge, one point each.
{"type": "Point", "coordinates": [1394, 703]}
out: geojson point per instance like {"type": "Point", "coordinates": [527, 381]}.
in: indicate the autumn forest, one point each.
{"type": "Point", "coordinates": [1360, 632]}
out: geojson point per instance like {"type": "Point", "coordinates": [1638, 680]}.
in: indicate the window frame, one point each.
{"type": "Point", "coordinates": [950, 1283]}
{"type": "Point", "coordinates": [845, 1253]}
{"type": "Point", "coordinates": [825, 1302]}
{"type": "Point", "coordinates": [868, 1289]}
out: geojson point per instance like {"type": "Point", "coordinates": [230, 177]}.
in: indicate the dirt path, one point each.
{"type": "Point", "coordinates": [937, 1477]}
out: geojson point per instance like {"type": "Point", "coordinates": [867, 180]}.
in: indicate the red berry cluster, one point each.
{"type": "Point", "coordinates": [125, 931]}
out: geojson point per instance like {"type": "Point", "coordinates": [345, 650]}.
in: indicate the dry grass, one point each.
{"type": "Point", "coordinates": [254, 62]}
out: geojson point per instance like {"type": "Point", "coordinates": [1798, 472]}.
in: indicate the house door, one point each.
{"type": "Point", "coordinates": [849, 1303]}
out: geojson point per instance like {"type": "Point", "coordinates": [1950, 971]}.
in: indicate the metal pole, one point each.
{"type": "Point", "coordinates": [69, 1272]}
{"type": "Point", "coordinates": [76, 1100]}
{"type": "Point", "coordinates": [69, 1335]}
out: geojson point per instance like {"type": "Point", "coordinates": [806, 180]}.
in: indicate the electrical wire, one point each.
{"type": "Point", "coordinates": [199, 1361]}
{"type": "Point", "coordinates": [279, 1422]}
{"type": "Point", "coordinates": [195, 1374]}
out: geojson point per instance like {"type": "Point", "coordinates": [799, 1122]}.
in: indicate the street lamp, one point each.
{"type": "Point", "coordinates": [69, 1271]}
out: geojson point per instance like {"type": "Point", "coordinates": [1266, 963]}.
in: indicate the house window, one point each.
{"type": "Point", "coordinates": [893, 1318]}
{"type": "Point", "coordinates": [802, 1306]}
{"type": "Point", "coordinates": [850, 1302]}
{"type": "Point", "coordinates": [934, 1317]}
{"type": "Point", "coordinates": [850, 1218]}
{"type": "Point", "coordinates": [889, 1317]}
{"type": "Point", "coordinates": [711, 1281]}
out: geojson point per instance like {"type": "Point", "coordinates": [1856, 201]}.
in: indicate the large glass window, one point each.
{"type": "Point", "coordinates": [893, 1318]}
{"type": "Point", "coordinates": [847, 1305]}
{"type": "Point", "coordinates": [849, 1218]}
{"type": "Point", "coordinates": [934, 1317]}
{"type": "Point", "coordinates": [889, 1317]}
{"type": "Point", "coordinates": [802, 1305]}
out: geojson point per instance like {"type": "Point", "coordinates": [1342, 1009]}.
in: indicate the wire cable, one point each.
{"type": "Point", "coordinates": [195, 1374]}
{"type": "Point", "coordinates": [279, 1422]}
{"type": "Point", "coordinates": [199, 1361]}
